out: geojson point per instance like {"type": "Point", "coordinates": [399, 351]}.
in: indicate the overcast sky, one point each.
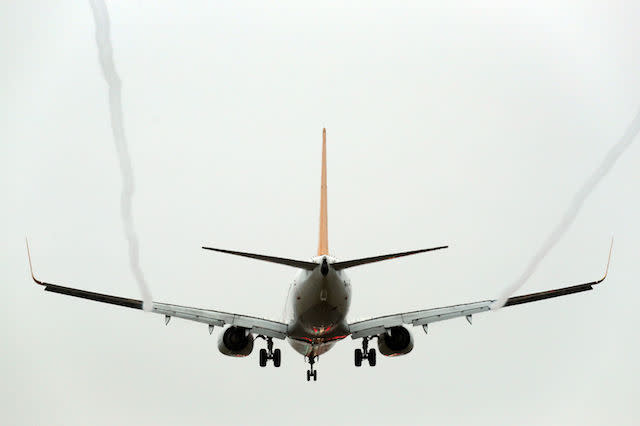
{"type": "Point", "coordinates": [468, 125]}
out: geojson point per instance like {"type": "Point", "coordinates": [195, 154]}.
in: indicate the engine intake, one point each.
{"type": "Point", "coordinates": [236, 341]}
{"type": "Point", "coordinates": [396, 341]}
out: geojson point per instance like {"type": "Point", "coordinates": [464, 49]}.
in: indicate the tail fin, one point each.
{"type": "Point", "coordinates": [323, 242]}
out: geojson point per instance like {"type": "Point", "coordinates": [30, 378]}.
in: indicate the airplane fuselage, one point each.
{"type": "Point", "coordinates": [317, 307]}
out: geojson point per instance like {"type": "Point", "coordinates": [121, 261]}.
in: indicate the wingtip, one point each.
{"type": "Point", "coordinates": [37, 281]}
{"type": "Point", "coordinates": [434, 248]}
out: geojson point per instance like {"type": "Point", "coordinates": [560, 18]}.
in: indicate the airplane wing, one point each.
{"type": "Point", "coordinates": [376, 326]}
{"type": "Point", "coordinates": [262, 326]}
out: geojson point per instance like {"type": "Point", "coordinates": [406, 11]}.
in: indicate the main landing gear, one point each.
{"type": "Point", "coordinates": [311, 372]}
{"type": "Point", "coordinates": [365, 353]}
{"type": "Point", "coordinates": [269, 353]}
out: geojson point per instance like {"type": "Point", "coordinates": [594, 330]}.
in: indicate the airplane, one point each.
{"type": "Point", "coordinates": [317, 306]}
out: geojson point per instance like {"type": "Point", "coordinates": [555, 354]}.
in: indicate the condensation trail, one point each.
{"type": "Point", "coordinates": [105, 52]}
{"type": "Point", "coordinates": [574, 208]}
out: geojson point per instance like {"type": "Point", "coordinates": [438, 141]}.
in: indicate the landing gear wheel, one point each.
{"type": "Point", "coordinates": [358, 357]}
{"type": "Point", "coordinates": [365, 353]}
{"type": "Point", "coordinates": [263, 357]}
{"type": "Point", "coordinates": [371, 356]}
{"type": "Point", "coordinates": [313, 374]}
{"type": "Point", "coordinates": [269, 353]}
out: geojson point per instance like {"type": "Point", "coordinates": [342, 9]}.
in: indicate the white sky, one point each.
{"type": "Point", "coordinates": [465, 125]}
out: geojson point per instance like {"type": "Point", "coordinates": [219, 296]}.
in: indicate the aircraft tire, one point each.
{"type": "Point", "coordinates": [371, 357]}
{"type": "Point", "coordinates": [277, 357]}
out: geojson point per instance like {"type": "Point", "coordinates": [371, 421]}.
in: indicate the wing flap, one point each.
{"type": "Point", "coordinates": [441, 314]}
{"type": "Point", "coordinates": [379, 325]}
{"type": "Point", "coordinates": [267, 327]}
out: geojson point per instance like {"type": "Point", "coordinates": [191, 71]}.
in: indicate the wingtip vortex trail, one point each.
{"type": "Point", "coordinates": [105, 54]}
{"type": "Point", "coordinates": [572, 211]}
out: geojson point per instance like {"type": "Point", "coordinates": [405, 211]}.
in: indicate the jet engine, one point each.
{"type": "Point", "coordinates": [236, 341]}
{"type": "Point", "coordinates": [396, 341]}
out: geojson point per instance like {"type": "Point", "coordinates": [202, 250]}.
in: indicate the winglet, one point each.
{"type": "Point", "coordinates": [37, 281]}
{"type": "Point", "coordinates": [606, 271]}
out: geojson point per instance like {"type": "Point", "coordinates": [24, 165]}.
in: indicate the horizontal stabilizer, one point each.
{"type": "Point", "coordinates": [364, 261]}
{"type": "Point", "coordinates": [310, 266]}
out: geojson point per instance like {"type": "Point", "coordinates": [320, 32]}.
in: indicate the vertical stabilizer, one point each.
{"type": "Point", "coordinates": [323, 242]}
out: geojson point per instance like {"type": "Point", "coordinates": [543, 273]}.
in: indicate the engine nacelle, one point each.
{"type": "Point", "coordinates": [236, 341]}
{"type": "Point", "coordinates": [396, 341]}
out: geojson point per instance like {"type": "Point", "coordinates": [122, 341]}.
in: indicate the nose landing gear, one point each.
{"type": "Point", "coordinates": [365, 353]}
{"type": "Point", "coordinates": [269, 353]}
{"type": "Point", "coordinates": [311, 372]}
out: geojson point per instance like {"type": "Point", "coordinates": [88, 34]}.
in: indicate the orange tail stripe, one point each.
{"type": "Point", "coordinates": [323, 243]}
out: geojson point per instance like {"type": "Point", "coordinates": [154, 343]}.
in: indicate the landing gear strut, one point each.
{"type": "Point", "coordinates": [311, 372]}
{"type": "Point", "coordinates": [365, 353]}
{"type": "Point", "coordinates": [269, 353]}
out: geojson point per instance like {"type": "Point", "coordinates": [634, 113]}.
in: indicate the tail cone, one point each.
{"type": "Point", "coordinates": [324, 269]}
